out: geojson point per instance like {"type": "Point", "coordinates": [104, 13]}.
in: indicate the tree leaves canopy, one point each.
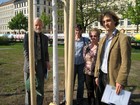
{"type": "Point", "coordinates": [45, 18]}
{"type": "Point", "coordinates": [132, 12]}
{"type": "Point", "coordinates": [18, 22]}
{"type": "Point", "coordinates": [88, 11]}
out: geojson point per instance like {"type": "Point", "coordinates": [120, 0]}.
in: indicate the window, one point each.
{"type": "Point", "coordinates": [21, 5]}
{"type": "Point", "coordinates": [49, 27]}
{"type": "Point", "coordinates": [58, 27]}
{"type": "Point", "coordinates": [38, 15]}
{"type": "Point", "coordinates": [128, 23]}
{"type": "Point", "coordinates": [24, 11]}
{"type": "Point", "coordinates": [45, 9]}
{"type": "Point", "coordinates": [17, 12]}
{"type": "Point", "coordinates": [121, 22]}
{"type": "Point", "coordinates": [49, 11]}
{"type": "Point", "coordinates": [37, 1]}
{"type": "Point", "coordinates": [49, 3]}
{"type": "Point", "coordinates": [44, 2]}
{"type": "Point", "coordinates": [38, 9]}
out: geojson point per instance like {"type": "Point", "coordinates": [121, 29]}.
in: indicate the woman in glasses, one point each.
{"type": "Point", "coordinates": [90, 55]}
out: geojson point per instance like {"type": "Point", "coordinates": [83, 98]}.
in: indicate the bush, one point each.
{"type": "Point", "coordinates": [4, 41]}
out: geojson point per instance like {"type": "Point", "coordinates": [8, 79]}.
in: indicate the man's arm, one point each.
{"type": "Point", "coordinates": [47, 55]}
{"type": "Point", "coordinates": [25, 45]}
{"type": "Point", "coordinates": [125, 48]}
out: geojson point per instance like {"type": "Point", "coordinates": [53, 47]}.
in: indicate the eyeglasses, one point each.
{"type": "Point", "coordinates": [92, 36]}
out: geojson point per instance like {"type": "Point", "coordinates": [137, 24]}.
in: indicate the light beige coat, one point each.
{"type": "Point", "coordinates": [119, 60]}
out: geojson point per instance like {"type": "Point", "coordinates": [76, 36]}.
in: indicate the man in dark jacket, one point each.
{"type": "Point", "coordinates": [41, 61]}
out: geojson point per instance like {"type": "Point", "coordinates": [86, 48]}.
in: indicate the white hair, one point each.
{"type": "Point", "coordinates": [38, 19]}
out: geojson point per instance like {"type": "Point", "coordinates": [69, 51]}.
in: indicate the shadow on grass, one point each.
{"type": "Point", "coordinates": [135, 47]}
{"type": "Point", "coordinates": [133, 103]}
{"type": "Point", "coordinates": [131, 88]}
{"type": "Point", "coordinates": [1, 63]}
{"type": "Point", "coordinates": [135, 97]}
{"type": "Point", "coordinates": [134, 100]}
{"type": "Point", "coordinates": [85, 102]}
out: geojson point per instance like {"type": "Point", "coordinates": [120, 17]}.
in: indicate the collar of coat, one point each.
{"type": "Point", "coordinates": [115, 38]}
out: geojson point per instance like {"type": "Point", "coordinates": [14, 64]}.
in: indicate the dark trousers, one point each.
{"type": "Point", "coordinates": [40, 81]}
{"type": "Point", "coordinates": [103, 80]}
{"type": "Point", "coordinates": [78, 70]}
{"type": "Point", "coordinates": [90, 85]}
{"type": "Point", "coordinates": [39, 85]}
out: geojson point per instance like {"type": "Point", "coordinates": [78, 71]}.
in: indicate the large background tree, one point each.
{"type": "Point", "coordinates": [18, 22]}
{"type": "Point", "coordinates": [132, 12]}
{"type": "Point", "coordinates": [88, 11]}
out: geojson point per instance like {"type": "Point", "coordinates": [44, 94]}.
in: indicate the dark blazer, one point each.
{"type": "Point", "coordinates": [119, 60]}
{"type": "Point", "coordinates": [44, 51]}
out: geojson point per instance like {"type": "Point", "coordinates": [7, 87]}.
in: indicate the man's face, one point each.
{"type": "Point", "coordinates": [108, 23]}
{"type": "Point", "coordinates": [37, 26]}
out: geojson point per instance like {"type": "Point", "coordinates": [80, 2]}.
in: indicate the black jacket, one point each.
{"type": "Point", "coordinates": [44, 50]}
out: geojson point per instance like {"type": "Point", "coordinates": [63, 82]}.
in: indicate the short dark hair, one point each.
{"type": "Point", "coordinates": [79, 26]}
{"type": "Point", "coordinates": [110, 14]}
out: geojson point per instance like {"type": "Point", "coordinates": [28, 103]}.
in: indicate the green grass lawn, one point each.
{"type": "Point", "coordinates": [11, 74]}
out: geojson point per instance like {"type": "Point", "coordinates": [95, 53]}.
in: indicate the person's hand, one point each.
{"type": "Point", "coordinates": [97, 81]}
{"type": "Point", "coordinates": [119, 87]}
{"type": "Point", "coordinates": [48, 65]}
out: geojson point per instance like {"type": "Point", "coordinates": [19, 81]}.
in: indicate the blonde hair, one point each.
{"type": "Point", "coordinates": [96, 30]}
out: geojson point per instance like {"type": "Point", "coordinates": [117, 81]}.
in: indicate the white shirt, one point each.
{"type": "Point", "coordinates": [104, 65]}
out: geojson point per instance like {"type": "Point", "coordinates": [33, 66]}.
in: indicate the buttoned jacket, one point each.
{"type": "Point", "coordinates": [44, 51]}
{"type": "Point", "coordinates": [119, 59]}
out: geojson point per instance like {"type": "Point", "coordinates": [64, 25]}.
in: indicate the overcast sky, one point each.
{"type": "Point", "coordinates": [3, 1]}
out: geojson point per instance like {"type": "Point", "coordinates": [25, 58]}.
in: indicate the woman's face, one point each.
{"type": "Point", "coordinates": [93, 36]}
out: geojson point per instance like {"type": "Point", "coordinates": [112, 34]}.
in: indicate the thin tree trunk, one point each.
{"type": "Point", "coordinates": [55, 54]}
{"type": "Point", "coordinates": [137, 28]}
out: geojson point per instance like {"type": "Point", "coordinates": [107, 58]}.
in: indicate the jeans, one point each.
{"type": "Point", "coordinates": [78, 70]}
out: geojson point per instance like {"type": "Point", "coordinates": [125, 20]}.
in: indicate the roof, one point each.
{"type": "Point", "coordinates": [10, 1]}
{"type": "Point", "coordinates": [6, 3]}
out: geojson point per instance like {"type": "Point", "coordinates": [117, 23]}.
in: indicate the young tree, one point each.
{"type": "Point", "coordinates": [132, 12]}
{"type": "Point", "coordinates": [12, 24]}
{"type": "Point", "coordinates": [46, 19]}
{"type": "Point", "coordinates": [18, 22]}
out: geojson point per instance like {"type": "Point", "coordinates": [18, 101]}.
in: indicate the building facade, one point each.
{"type": "Point", "coordinates": [11, 8]}
{"type": "Point", "coordinates": [124, 23]}
{"type": "Point", "coordinates": [6, 13]}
